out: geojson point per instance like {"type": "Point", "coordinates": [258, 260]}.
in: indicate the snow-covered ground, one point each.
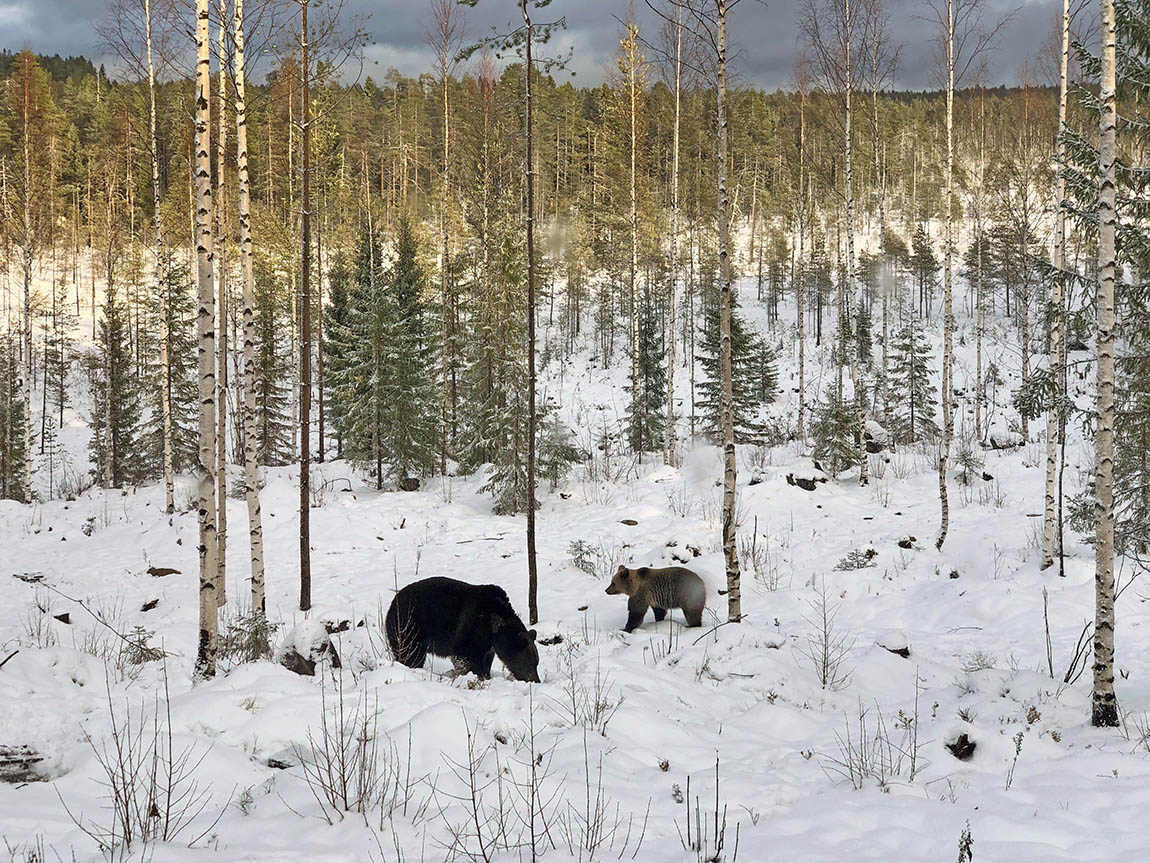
{"type": "Point", "coordinates": [925, 647]}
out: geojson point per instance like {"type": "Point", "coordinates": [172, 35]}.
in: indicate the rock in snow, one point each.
{"type": "Point", "coordinates": [306, 645]}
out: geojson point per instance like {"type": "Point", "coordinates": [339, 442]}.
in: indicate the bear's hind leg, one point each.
{"type": "Point", "coordinates": [411, 653]}
{"type": "Point", "coordinates": [694, 616]}
{"type": "Point", "coordinates": [660, 613]}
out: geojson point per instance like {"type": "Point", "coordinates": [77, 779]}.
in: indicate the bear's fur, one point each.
{"type": "Point", "coordinates": [660, 589]}
{"type": "Point", "coordinates": [468, 623]}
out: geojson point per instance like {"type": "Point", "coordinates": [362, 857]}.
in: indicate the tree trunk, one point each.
{"type": "Point", "coordinates": [532, 563]}
{"type": "Point", "coordinates": [206, 459]}
{"type": "Point", "coordinates": [305, 326]}
{"type": "Point", "coordinates": [27, 257]}
{"type": "Point", "coordinates": [947, 314]}
{"type": "Point", "coordinates": [222, 322]}
{"type": "Point", "coordinates": [630, 49]}
{"type": "Point", "coordinates": [669, 455]}
{"type": "Point", "coordinates": [800, 313]}
{"type": "Point", "coordinates": [1105, 705]}
{"type": "Point", "coordinates": [251, 432]}
{"type": "Point", "coordinates": [852, 288]}
{"type": "Point", "coordinates": [161, 289]}
{"type": "Point", "coordinates": [1054, 416]}
{"type": "Point", "coordinates": [730, 549]}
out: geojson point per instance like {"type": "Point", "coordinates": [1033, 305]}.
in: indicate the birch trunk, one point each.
{"type": "Point", "coordinates": [251, 432]}
{"type": "Point", "coordinates": [947, 313]}
{"type": "Point", "coordinates": [206, 456]}
{"type": "Point", "coordinates": [221, 323]}
{"type": "Point", "coordinates": [669, 456]}
{"type": "Point", "coordinates": [799, 283]}
{"type": "Point", "coordinates": [880, 179]}
{"type": "Point", "coordinates": [1105, 705]}
{"type": "Point", "coordinates": [852, 288]}
{"type": "Point", "coordinates": [730, 548]}
{"type": "Point", "coordinates": [1054, 416]}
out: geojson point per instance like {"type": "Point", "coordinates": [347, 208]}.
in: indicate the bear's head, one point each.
{"type": "Point", "coordinates": [515, 646]}
{"type": "Point", "coordinates": [626, 580]}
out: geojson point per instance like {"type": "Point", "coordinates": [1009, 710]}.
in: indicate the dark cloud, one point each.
{"type": "Point", "coordinates": [765, 37]}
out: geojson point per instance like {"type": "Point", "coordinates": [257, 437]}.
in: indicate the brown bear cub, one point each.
{"type": "Point", "coordinates": [660, 589]}
{"type": "Point", "coordinates": [469, 623]}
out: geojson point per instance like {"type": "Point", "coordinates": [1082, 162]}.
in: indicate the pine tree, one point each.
{"type": "Point", "coordinates": [646, 424]}
{"type": "Point", "coordinates": [116, 446]}
{"type": "Point", "coordinates": [913, 399]}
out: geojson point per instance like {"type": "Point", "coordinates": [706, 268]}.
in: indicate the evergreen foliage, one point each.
{"type": "Point", "coordinates": [273, 374]}
{"type": "Point", "coordinates": [116, 446]}
{"type": "Point", "coordinates": [410, 411]}
{"type": "Point", "coordinates": [754, 378]}
{"type": "Point", "coordinates": [913, 397]}
{"type": "Point", "coordinates": [12, 452]}
{"type": "Point", "coordinates": [177, 299]}
{"type": "Point", "coordinates": [647, 419]}
{"type": "Point", "coordinates": [495, 406]}
{"type": "Point", "coordinates": [835, 432]}
{"type": "Point", "coordinates": [925, 266]}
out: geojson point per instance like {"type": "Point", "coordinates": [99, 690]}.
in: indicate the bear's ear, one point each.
{"type": "Point", "coordinates": [531, 634]}
{"type": "Point", "coordinates": [643, 571]}
{"type": "Point", "coordinates": [622, 570]}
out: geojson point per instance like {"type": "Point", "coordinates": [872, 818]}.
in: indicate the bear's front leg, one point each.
{"type": "Point", "coordinates": [636, 611]}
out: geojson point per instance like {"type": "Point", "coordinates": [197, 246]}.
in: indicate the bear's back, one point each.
{"type": "Point", "coordinates": [672, 587]}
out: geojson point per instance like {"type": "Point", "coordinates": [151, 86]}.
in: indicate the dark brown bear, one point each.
{"type": "Point", "coordinates": [468, 623]}
{"type": "Point", "coordinates": [660, 589]}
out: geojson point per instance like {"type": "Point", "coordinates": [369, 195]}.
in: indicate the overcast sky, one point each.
{"type": "Point", "coordinates": [765, 36]}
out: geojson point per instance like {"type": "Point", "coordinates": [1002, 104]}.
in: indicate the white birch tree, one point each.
{"type": "Point", "coordinates": [206, 453]}
{"type": "Point", "coordinates": [1104, 710]}
{"type": "Point", "coordinates": [251, 430]}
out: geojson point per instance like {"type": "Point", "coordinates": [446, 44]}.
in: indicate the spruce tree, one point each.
{"type": "Point", "coordinates": [12, 449]}
{"type": "Point", "coordinates": [645, 418]}
{"type": "Point", "coordinates": [58, 351]}
{"type": "Point", "coordinates": [410, 411]}
{"type": "Point", "coordinates": [357, 371]}
{"type": "Point", "coordinates": [753, 378]}
{"type": "Point", "coordinates": [176, 301]}
{"type": "Point", "coordinates": [913, 399]}
{"type": "Point", "coordinates": [834, 431]}
{"type": "Point", "coordinates": [116, 447]}
{"type": "Point", "coordinates": [495, 404]}
{"type": "Point", "coordinates": [336, 316]}
{"type": "Point", "coordinates": [925, 267]}
{"type": "Point", "coordinates": [272, 372]}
